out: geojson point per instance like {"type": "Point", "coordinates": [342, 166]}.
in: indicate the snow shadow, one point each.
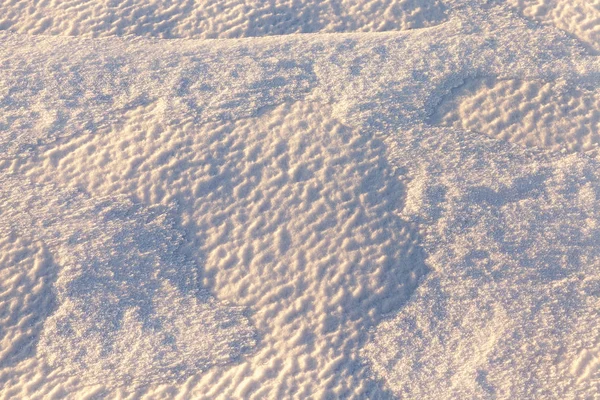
{"type": "Point", "coordinates": [128, 306]}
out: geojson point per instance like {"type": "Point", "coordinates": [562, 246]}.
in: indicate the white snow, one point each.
{"type": "Point", "coordinates": [217, 18]}
{"type": "Point", "coordinates": [403, 203]}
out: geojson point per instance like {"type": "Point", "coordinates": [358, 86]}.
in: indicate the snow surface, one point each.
{"type": "Point", "coordinates": [403, 204]}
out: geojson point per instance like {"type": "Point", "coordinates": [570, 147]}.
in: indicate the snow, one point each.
{"type": "Point", "coordinates": [120, 282]}
{"type": "Point", "coordinates": [216, 19]}
{"type": "Point", "coordinates": [511, 311]}
{"type": "Point", "coordinates": [401, 204]}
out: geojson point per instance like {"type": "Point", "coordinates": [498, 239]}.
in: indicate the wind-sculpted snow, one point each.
{"type": "Point", "coordinates": [366, 78]}
{"type": "Point", "coordinates": [256, 18]}
{"type": "Point", "coordinates": [552, 115]}
{"type": "Point", "coordinates": [216, 19]}
{"type": "Point", "coordinates": [514, 241]}
{"type": "Point", "coordinates": [304, 216]}
{"type": "Point", "coordinates": [579, 18]}
{"type": "Point", "coordinates": [296, 215]}
{"type": "Point", "coordinates": [126, 307]}
{"type": "Point", "coordinates": [94, 92]}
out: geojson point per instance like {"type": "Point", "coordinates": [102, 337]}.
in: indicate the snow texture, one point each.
{"type": "Point", "coordinates": [125, 306]}
{"type": "Point", "coordinates": [401, 204]}
{"type": "Point", "coordinates": [216, 19]}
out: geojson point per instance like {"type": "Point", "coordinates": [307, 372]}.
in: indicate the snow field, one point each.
{"type": "Point", "coordinates": [216, 19]}
{"type": "Point", "coordinates": [509, 312]}
{"type": "Point", "coordinates": [329, 216]}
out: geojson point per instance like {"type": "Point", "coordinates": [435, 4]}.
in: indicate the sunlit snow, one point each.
{"type": "Point", "coordinates": [300, 199]}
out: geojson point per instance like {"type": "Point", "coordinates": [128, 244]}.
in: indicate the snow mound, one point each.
{"type": "Point", "coordinates": [296, 217]}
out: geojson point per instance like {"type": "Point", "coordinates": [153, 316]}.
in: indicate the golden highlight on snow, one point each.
{"type": "Point", "coordinates": [577, 17]}
{"type": "Point", "coordinates": [337, 199]}
{"type": "Point", "coordinates": [216, 19]}
{"type": "Point", "coordinates": [552, 115]}
{"type": "Point", "coordinates": [516, 253]}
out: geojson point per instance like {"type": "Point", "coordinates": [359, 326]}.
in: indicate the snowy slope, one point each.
{"type": "Point", "coordinates": [401, 214]}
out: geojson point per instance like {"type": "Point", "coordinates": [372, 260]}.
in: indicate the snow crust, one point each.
{"type": "Point", "coordinates": [216, 19]}
{"type": "Point", "coordinates": [125, 306]}
{"type": "Point", "coordinates": [512, 310]}
{"type": "Point", "coordinates": [402, 214]}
